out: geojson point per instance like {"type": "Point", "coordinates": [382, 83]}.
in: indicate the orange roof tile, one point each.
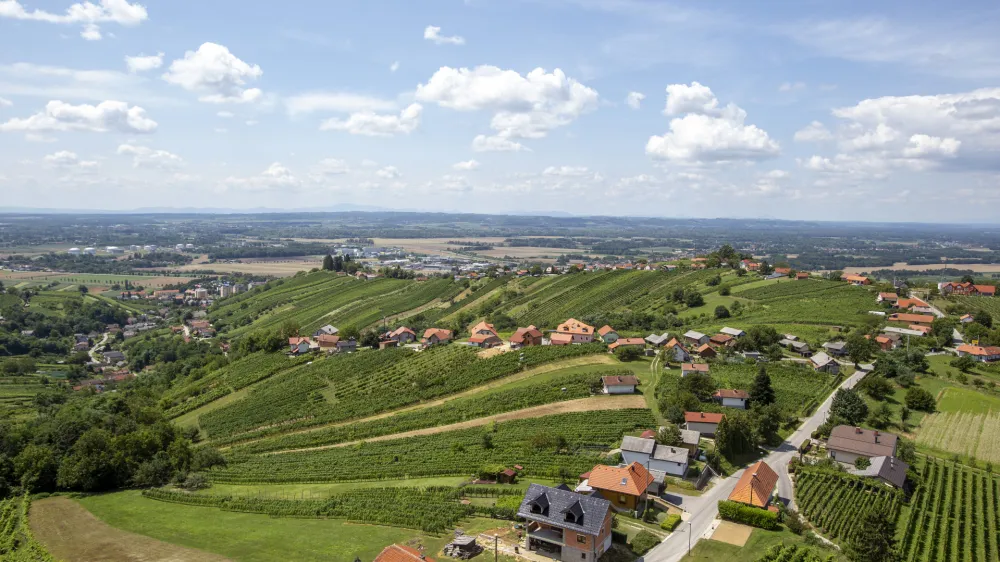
{"type": "Point", "coordinates": [703, 417]}
{"type": "Point", "coordinates": [441, 333]}
{"type": "Point", "coordinates": [631, 480]}
{"type": "Point", "coordinates": [401, 553]}
{"type": "Point", "coordinates": [605, 330]}
{"type": "Point", "coordinates": [574, 326]}
{"type": "Point", "coordinates": [755, 486]}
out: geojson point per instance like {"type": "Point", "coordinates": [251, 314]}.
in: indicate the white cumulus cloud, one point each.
{"type": "Point", "coordinates": [215, 73]}
{"type": "Point", "coordinates": [372, 124]}
{"type": "Point", "coordinates": [926, 146]}
{"type": "Point", "coordinates": [466, 165]}
{"type": "Point", "coordinates": [523, 107]}
{"type": "Point", "coordinates": [87, 14]}
{"type": "Point", "coordinates": [634, 99]}
{"type": "Point", "coordinates": [813, 132]}
{"type": "Point", "coordinates": [276, 176]}
{"type": "Point", "coordinates": [103, 117]}
{"type": "Point", "coordinates": [145, 157]}
{"type": "Point", "coordinates": [142, 63]}
{"type": "Point", "coordinates": [337, 102]}
{"type": "Point", "coordinates": [708, 133]}
{"type": "Point", "coordinates": [5, 102]}
{"type": "Point", "coordinates": [433, 33]}
{"type": "Point", "coordinates": [69, 160]}
{"type": "Point", "coordinates": [483, 143]}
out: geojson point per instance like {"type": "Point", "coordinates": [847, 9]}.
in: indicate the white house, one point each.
{"type": "Point", "coordinates": [705, 423]}
{"type": "Point", "coordinates": [846, 444]}
{"type": "Point", "coordinates": [620, 384]}
{"type": "Point", "coordinates": [732, 398]}
{"type": "Point", "coordinates": [648, 453]}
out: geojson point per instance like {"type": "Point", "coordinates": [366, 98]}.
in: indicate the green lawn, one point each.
{"type": "Point", "coordinates": [759, 541]}
{"type": "Point", "coordinates": [257, 538]}
{"type": "Point", "coordinates": [326, 488]}
{"type": "Point", "coordinates": [956, 399]}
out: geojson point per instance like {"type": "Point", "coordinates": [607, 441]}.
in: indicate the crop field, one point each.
{"type": "Point", "coordinates": [37, 278]}
{"type": "Point", "coordinates": [345, 387]}
{"type": "Point", "coordinates": [16, 541]}
{"type": "Point", "coordinates": [565, 444]}
{"type": "Point", "coordinates": [585, 295]}
{"type": "Point", "coordinates": [555, 389]}
{"type": "Point", "coordinates": [238, 374]}
{"type": "Point", "coordinates": [989, 304]}
{"type": "Point", "coordinates": [953, 516]}
{"type": "Point", "coordinates": [797, 388]}
{"type": "Point", "coordinates": [962, 433]}
{"type": "Point", "coordinates": [322, 298]}
{"type": "Point", "coordinates": [807, 302]}
{"type": "Point", "coordinates": [17, 394]}
{"type": "Point", "coordinates": [834, 502]}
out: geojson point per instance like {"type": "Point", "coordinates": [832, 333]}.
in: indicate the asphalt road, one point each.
{"type": "Point", "coordinates": [704, 508]}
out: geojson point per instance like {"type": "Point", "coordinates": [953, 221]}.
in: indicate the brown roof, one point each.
{"type": "Point", "coordinates": [978, 350]}
{"type": "Point", "coordinates": [912, 318]}
{"type": "Point", "coordinates": [703, 417]}
{"type": "Point", "coordinates": [560, 339]}
{"type": "Point", "coordinates": [700, 367]}
{"type": "Point", "coordinates": [441, 333]}
{"type": "Point", "coordinates": [648, 434]}
{"type": "Point", "coordinates": [480, 338]}
{"type": "Point", "coordinates": [627, 341]}
{"type": "Point", "coordinates": [673, 342]}
{"type": "Point", "coordinates": [605, 330]}
{"type": "Point", "coordinates": [574, 326]}
{"type": "Point", "coordinates": [729, 393]}
{"type": "Point", "coordinates": [861, 278]}
{"type": "Point", "coordinates": [401, 553]}
{"type": "Point", "coordinates": [987, 289]}
{"type": "Point", "coordinates": [721, 339]}
{"type": "Point", "coordinates": [867, 442]}
{"type": "Point", "coordinates": [705, 348]}
{"type": "Point", "coordinates": [297, 341]}
{"type": "Point", "coordinates": [890, 296]}
{"type": "Point", "coordinates": [617, 380]}
{"type": "Point", "coordinates": [483, 326]}
{"type": "Point", "coordinates": [402, 330]}
{"type": "Point", "coordinates": [631, 480]}
{"type": "Point", "coordinates": [756, 485]}
{"type": "Point", "coordinates": [783, 270]}
{"type": "Point", "coordinates": [327, 340]}
{"type": "Point", "coordinates": [522, 333]}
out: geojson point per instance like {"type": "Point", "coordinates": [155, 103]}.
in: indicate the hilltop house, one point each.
{"type": "Point", "coordinates": [732, 398]}
{"type": "Point", "coordinates": [608, 334]}
{"type": "Point", "coordinates": [434, 336]}
{"type": "Point", "coordinates": [617, 384]}
{"type": "Point", "coordinates": [704, 423]}
{"type": "Point", "coordinates": [857, 280]}
{"type": "Point", "coordinates": [824, 363]}
{"type": "Point", "coordinates": [688, 368]}
{"type": "Point", "coordinates": [647, 452]}
{"type": "Point", "coordinates": [756, 486]}
{"type": "Point", "coordinates": [624, 487]}
{"type": "Point", "coordinates": [526, 337]}
{"type": "Point", "coordinates": [979, 353]}
{"type": "Point", "coordinates": [565, 525]}
{"type": "Point", "coordinates": [578, 331]}
{"type": "Point", "coordinates": [696, 338]}
{"type": "Point", "coordinates": [846, 444]}
{"type": "Point", "coordinates": [627, 342]}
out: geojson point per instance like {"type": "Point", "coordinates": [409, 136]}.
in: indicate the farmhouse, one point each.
{"type": "Point", "coordinates": [526, 337]}
{"type": "Point", "coordinates": [732, 398]}
{"type": "Point", "coordinates": [756, 486]}
{"type": "Point", "coordinates": [347, 346]}
{"type": "Point", "coordinates": [688, 368]}
{"type": "Point", "coordinates": [483, 329]}
{"type": "Point", "coordinates": [565, 525]}
{"type": "Point", "coordinates": [327, 330]}
{"type": "Point", "coordinates": [979, 353]}
{"type": "Point", "coordinates": [801, 275]}
{"type": "Point", "coordinates": [657, 340]}
{"type": "Point", "coordinates": [857, 280]}
{"type": "Point", "coordinates": [890, 298]}
{"type": "Point", "coordinates": [705, 351]}
{"type": "Point", "coordinates": [967, 289]}
{"type": "Point", "coordinates": [624, 487]}
{"type": "Point", "coordinates": [703, 422]}
{"type": "Point", "coordinates": [434, 336]}
{"type": "Point", "coordinates": [485, 341]}
{"type": "Point", "coordinates": [402, 335]}
{"type": "Point", "coordinates": [783, 270]}
{"type": "Point", "coordinates": [662, 458]}
{"type": "Point", "coordinates": [836, 348]}
{"type": "Point", "coordinates": [608, 334]}
{"type": "Point", "coordinates": [627, 342]}
{"type": "Point", "coordinates": [694, 337]}
{"type": "Point", "coordinates": [824, 363]}
{"type": "Point", "coordinates": [912, 318]}
{"type": "Point", "coordinates": [675, 351]}
{"type": "Point", "coordinates": [734, 332]}
{"type": "Point", "coordinates": [299, 345]}
{"type": "Point", "coordinates": [800, 347]}
{"type": "Point", "coordinates": [847, 443]}
{"type": "Point", "coordinates": [913, 305]}
{"type": "Point", "coordinates": [578, 331]}
{"type": "Point", "coordinates": [722, 340]}
{"type": "Point", "coordinates": [889, 470]}
{"type": "Point", "coordinates": [327, 342]}
{"type": "Point", "coordinates": [619, 384]}
{"type": "Point", "coordinates": [401, 553]}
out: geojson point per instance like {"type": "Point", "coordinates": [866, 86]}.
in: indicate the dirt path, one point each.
{"type": "Point", "coordinates": [591, 404]}
{"type": "Point", "coordinates": [73, 534]}
{"type": "Point", "coordinates": [599, 359]}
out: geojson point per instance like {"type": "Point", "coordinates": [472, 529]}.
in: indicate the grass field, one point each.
{"type": "Point", "coordinates": [708, 550]}
{"type": "Point", "coordinates": [17, 394]}
{"type": "Point", "coordinates": [256, 538]}
{"type": "Point", "coordinates": [962, 433]}
{"type": "Point", "coordinates": [69, 280]}
{"type": "Point", "coordinates": [991, 305]}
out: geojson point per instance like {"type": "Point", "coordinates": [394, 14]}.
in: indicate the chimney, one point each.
{"type": "Point", "coordinates": [858, 430]}
{"type": "Point", "coordinates": [876, 436]}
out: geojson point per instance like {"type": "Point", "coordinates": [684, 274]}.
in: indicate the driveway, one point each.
{"type": "Point", "coordinates": [98, 347]}
{"type": "Point", "coordinates": [704, 509]}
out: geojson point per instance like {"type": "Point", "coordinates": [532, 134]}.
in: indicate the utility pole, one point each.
{"type": "Point", "coordinates": [496, 547]}
{"type": "Point", "coordinates": [689, 536]}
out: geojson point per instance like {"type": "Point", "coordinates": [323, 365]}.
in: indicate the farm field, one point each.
{"type": "Point", "coordinates": [991, 305]}
{"type": "Point", "coordinates": [811, 301]}
{"type": "Point", "coordinates": [952, 516]}
{"type": "Point", "coordinates": [248, 537]}
{"type": "Point", "coordinates": [757, 546]}
{"type": "Point", "coordinates": [977, 267]}
{"type": "Point", "coordinates": [35, 278]}
{"type": "Point", "coordinates": [963, 433]}
{"type": "Point", "coordinates": [564, 444]}
{"type": "Point", "coordinates": [284, 267]}
{"type": "Point", "coordinates": [17, 394]}
{"type": "Point", "coordinates": [320, 298]}
{"type": "Point", "coordinates": [834, 502]}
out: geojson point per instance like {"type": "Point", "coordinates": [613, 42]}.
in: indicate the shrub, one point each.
{"type": "Point", "coordinates": [628, 353]}
{"type": "Point", "coordinates": [644, 542]}
{"type": "Point", "coordinates": [197, 481]}
{"type": "Point", "coordinates": [794, 521]}
{"type": "Point", "coordinates": [805, 446]}
{"type": "Point", "coordinates": [670, 522]}
{"type": "Point", "coordinates": [747, 515]}
{"type": "Point", "coordinates": [618, 536]}
{"type": "Point", "coordinates": [919, 399]}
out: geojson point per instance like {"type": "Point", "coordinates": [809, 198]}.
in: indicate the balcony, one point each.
{"type": "Point", "coordinates": [554, 536]}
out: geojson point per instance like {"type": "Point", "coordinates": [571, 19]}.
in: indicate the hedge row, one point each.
{"type": "Point", "coordinates": [753, 516]}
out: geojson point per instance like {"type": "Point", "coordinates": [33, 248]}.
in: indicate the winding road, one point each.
{"type": "Point", "coordinates": [703, 509]}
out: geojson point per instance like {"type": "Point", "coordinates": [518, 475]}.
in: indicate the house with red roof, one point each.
{"type": "Point", "coordinates": [732, 398]}
{"type": "Point", "coordinates": [756, 486]}
{"type": "Point", "coordinates": [401, 334]}
{"type": "Point", "coordinates": [705, 423]}
{"type": "Point", "coordinates": [688, 368]}
{"type": "Point", "coordinates": [435, 336]}
{"type": "Point", "coordinates": [485, 341]}
{"type": "Point", "coordinates": [401, 553]}
{"type": "Point", "coordinates": [984, 354]}
{"type": "Point", "coordinates": [627, 342]}
{"type": "Point", "coordinates": [608, 334]}
{"type": "Point", "coordinates": [857, 280]}
{"type": "Point", "coordinates": [579, 332]}
{"type": "Point", "coordinates": [624, 487]}
{"type": "Point", "coordinates": [526, 337]}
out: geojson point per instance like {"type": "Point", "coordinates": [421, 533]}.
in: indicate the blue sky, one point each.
{"type": "Point", "coordinates": [817, 110]}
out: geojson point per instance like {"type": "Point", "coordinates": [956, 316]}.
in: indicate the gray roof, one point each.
{"type": "Point", "coordinates": [866, 367]}
{"type": "Point", "coordinates": [799, 345]}
{"type": "Point", "coordinates": [835, 345]}
{"type": "Point", "coordinates": [690, 436]}
{"type": "Point", "coordinates": [735, 332]}
{"type": "Point", "coordinates": [551, 506]}
{"type": "Point", "coordinates": [638, 445]}
{"type": "Point", "coordinates": [890, 469]}
{"type": "Point", "coordinates": [658, 339]}
{"type": "Point", "coordinates": [694, 335]}
{"type": "Point", "coordinates": [672, 454]}
{"type": "Point", "coordinates": [860, 441]}
{"type": "Point", "coordinates": [821, 359]}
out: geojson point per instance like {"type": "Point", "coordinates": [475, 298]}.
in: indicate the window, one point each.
{"type": "Point", "coordinates": [621, 499]}
{"type": "Point", "coordinates": [581, 539]}
{"type": "Point", "coordinates": [583, 556]}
